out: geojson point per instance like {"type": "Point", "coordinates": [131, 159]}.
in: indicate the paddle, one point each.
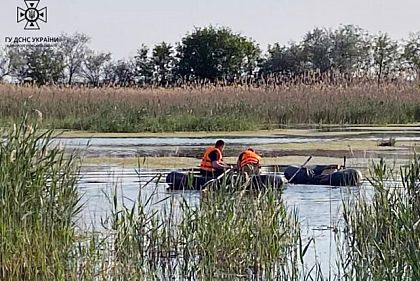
{"type": "Point", "coordinates": [216, 179]}
{"type": "Point", "coordinates": [300, 168]}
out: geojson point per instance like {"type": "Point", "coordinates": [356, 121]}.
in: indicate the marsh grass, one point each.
{"type": "Point", "coordinates": [212, 108]}
{"type": "Point", "coordinates": [243, 235]}
{"type": "Point", "coordinates": [382, 234]}
{"type": "Point", "coordinates": [38, 202]}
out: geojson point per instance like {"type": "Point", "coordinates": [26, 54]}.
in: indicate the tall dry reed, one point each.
{"type": "Point", "coordinates": [209, 108]}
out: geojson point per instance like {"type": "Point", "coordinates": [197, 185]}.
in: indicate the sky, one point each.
{"type": "Point", "coordinates": [122, 26]}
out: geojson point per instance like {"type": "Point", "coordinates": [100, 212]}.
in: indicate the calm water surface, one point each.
{"type": "Point", "coordinates": [318, 206]}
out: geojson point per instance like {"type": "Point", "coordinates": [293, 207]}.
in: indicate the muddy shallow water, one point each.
{"type": "Point", "coordinates": [318, 206]}
{"type": "Point", "coordinates": [160, 147]}
{"type": "Point", "coordinates": [193, 147]}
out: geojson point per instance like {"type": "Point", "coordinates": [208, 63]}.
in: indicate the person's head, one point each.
{"type": "Point", "coordinates": [250, 149]}
{"type": "Point", "coordinates": [220, 144]}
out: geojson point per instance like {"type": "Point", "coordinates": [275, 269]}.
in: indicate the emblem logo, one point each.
{"type": "Point", "coordinates": [32, 14]}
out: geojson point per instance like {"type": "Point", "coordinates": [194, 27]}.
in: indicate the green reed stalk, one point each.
{"type": "Point", "coordinates": [382, 234]}
{"type": "Point", "coordinates": [38, 202]}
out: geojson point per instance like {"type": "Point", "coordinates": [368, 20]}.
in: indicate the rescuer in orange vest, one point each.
{"type": "Point", "coordinates": [249, 162]}
{"type": "Point", "coordinates": [212, 164]}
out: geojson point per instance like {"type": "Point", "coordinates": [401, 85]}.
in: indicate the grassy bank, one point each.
{"type": "Point", "coordinates": [211, 108]}
{"type": "Point", "coordinates": [229, 234]}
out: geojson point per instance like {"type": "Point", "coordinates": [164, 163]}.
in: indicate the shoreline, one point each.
{"type": "Point", "coordinates": [345, 131]}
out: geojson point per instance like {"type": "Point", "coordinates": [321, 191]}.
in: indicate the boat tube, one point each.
{"type": "Point", "coordinates": [323, 175]}
{"type": "Point", "coordinates": [191, 181]}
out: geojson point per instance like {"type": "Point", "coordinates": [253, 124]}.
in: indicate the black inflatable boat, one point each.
{"type": "Point", "coordinates": [191, 181]}
{"type": "Point", "coordinates": [323, 175]}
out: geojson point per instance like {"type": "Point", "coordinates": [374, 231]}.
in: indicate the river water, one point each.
{"type": "Point", "coordinates": [318, 207]}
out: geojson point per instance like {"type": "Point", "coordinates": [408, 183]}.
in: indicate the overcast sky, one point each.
{"type": "Point", "coordinates": [121, 26]}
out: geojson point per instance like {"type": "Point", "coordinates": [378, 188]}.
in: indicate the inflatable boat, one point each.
{"type": "Point", "coordinates": [191, 181]}
{"type": "Point", "coordinates": [323, 175]}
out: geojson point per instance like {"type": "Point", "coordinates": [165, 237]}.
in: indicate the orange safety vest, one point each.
{"type": "Point", "coordinates": [249, 157]}
{"type": "Point", "coordinates": [206, 161]}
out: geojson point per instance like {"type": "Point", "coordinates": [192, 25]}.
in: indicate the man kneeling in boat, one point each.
{"type": "Point", "coordinates": [249, 162]}
{"type": "Point", "coordinates": [212, 164]}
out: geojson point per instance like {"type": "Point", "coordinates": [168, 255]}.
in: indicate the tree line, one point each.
{"type": "Point", "coordinates": [211, 54]}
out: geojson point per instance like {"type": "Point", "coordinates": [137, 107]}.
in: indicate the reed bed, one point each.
{"type": "Point", "coordinates": [212, 108]}
{"type": "Point", "coordinates": [236, 234]}
{"type": "Point", "coordinates": [38, 201]}
{"type": "Point", "coordinates": [381, 234]}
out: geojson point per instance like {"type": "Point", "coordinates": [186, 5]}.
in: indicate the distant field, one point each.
{"type": "Point", "coordinates": [210, 108]}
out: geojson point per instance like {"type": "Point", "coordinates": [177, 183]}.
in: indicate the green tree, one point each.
{"type": "Point", "coordinates": [316, 47]}
{"type": "Point", "coordinates": [284, 60]}
{"type": "Point", "coordinates": [120, 73]}
{"type": "Point", "coordinates": [215, 53]}
{"type": "Point", "coordinates": [385, 56]}
{"type": "Point", "coordinates": [412, 54]}
{"type": "Point", "coordinates": [39, 65]}
{"type": "Point", "coordinates": [93, 67]}
{"type": "Point", "coordinates": [73, 49]}
{"type": "Point", "coordinates": [4, 64]}
{"type": "Point", "coordinates": [143, 66]}
{"type": "Point", "coordinates": [350, 51]}
{"type": "Point", "coordinates": [47, 65]}
{"type": "Point", "coordinates": [163, 62]}
{"type": "Point", "coordinates": [252, 57]}
{"type": "Point", "coordinates": [19, 68]}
